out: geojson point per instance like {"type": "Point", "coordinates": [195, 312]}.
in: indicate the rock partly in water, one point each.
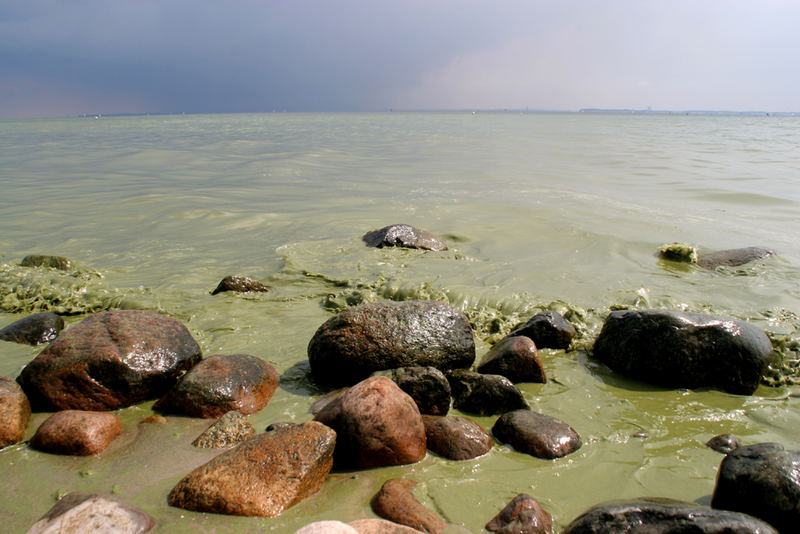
{"type": "Point", "coordinates": [376, 425]}
{"type": "Point", "coordinates": [240, 284]}
{"type": "Point", "coordinates": [77, 432]}
{"type": "Point", "coordinates": [230, 429]}
{"type": "Point", "coordinates": [456, 438]}
{"type": "Point", "coordinates": [79, 513]}
{"type": "Point", "coordinates": [536, 434]}
{"type": "Point", "coordinates": [386, 335]}
{"type": "Point", "coordinates": [262, 476]}
{"type": "Point", "coordinates": [327, 527]}
{"type": "Point", "coordinates": [15, 412]}
{"type": "Point", "coordinates": [380, 526]}
{"type": "Point", "coordinates": [733, 257]}
{"type": "Point", "coordinates": [405, 236]}
{"type": "Point", "coordinates": [548, 330]}
{"type": "Point", "coordinates": [36, 329]}
{"type": "Point", "coordinates": [484, 394]}
{"type": "Point", "coordinates": [724, 443]}
{"type": "Point", "coordinates": [110, 360]}
{"type": "Point", "coordinates": [515, 358]}
{"type": "Point", "coordinates": [681, 252]}
{"type": "Point", "coordinates": [221, 383]}
{"type": "Point", "coordinates": [684, 350]}
{"type": "Point", "coordinates": [658, 515]}
{"type": "Point", "coordinates": [523, 515]}
{"type": "Point", "coordinates": [54, 262]}
{"type": "Point", "coordinates": [396, 502]}
{"type": "Point", "coordinates": [762, 480]}
{"type": "Point", "coordinates": [427, 386]}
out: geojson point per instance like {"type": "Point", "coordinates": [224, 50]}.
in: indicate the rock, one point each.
{"type": "Point", "coordinates": [380, 526]}
{"type": "Point", "coordinates": [15, 411]}
{"type": "Point", "coordinates": [658, 515]}
{"type": "Point", "coordinates": [327, 527]}
{"type": "Point", "coordinates": [403, 235]}
{"type": "Point", "coordinates": [523, 515]}
{"type": "Point", "coordinates": [262, 476]}
{"type": "Point", "coordinates": [515, 358]}
{"type": "Point", "coordinates": [77, 432]}
{"type": "Point", "coordinates": [427, 386]}
{"type": "Point", "coordinates": [240, 284]}
{"type": "Point", "coordinates": [396, 502]}
{"type": "Point", "coordinates": [724, 443]}
{"type": "Point", "coordinates": [536, 434]}
{"type": "Point", "coordinates": [378, 336]}
{"type": "Point", "coordinates": [230, 429]}
{"type": "Point", "coordinates": [733, 257]}
{"type": "Point", "coordinates": [376, 425]}
{"type": "Point", "coordinates": [110, 360]}
{"type": "Point", "coordinates": [221, 383]}
{"type": "Point", "coordinates": [36, 329]}
{"type": "Point", "coordinates": [484, 394]}
{"type": "Point", "coordinates": [154, 419]}
{"type": "Point", "coordinates": [79, 513]}
{"type": "Point", "coordinates": [684, 350]}
{"type": "Point", "coordinates": [54, 262]}
{"type": "Point", "coordinates": [762, 480]}
{"type": "Point", "coordinates": [456, 438]}
{"type": "Point", "coordinates": [548, 330]}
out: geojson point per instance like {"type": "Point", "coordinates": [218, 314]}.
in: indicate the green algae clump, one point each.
{"type": "Point", "coordinates": [678, 252]}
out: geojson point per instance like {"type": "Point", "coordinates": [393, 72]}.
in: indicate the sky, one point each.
{"type": "Point", "coordinates": [62, 58]}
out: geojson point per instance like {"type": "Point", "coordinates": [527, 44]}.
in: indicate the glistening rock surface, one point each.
{"type": "Point", "coordinates": [403, 235]}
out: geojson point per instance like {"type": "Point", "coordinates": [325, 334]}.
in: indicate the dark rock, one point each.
{"type": "Point", "coordinates": [548, 330]}
{"type": "Point", "coordinates": [54, 262]}
{"type": "Point", "coordinates": [733, 257]}
{"type": "Point", "coordinates": [15, 411]}
{"type": "Point", "coordinates": [724, 443]}
{"type": "Point", "coordinates": [403, 235]}
{"type": "Point", "coordinates": [663, 516]}
{"type": "Point", "coordinates": [77, 432]}
{"type": "Point", "coordinates": [762, 480]}
{"type": "Point", "coordinates": [230, 429]}
{"type": "Point", "coordinates": [396, 502]}
{"type": "Point", "coordinates": [427, 386]}
{"type": "Point", "coordinates": [78, 513]}
{"type": "Point", "coordinates": [36, 329]}
{"type": "Point", "coordinates": [262, 476]}
{"type": "Point", "coordinates": [110, 360]}
{"type": "Point", "coordinates": [523, 515]}
{"type": "Point", "coordinates": [515, 358]}
{"type": "Point", "coordinates": [239, 284]}
{"type": "Point", "coordinates": [221, 383]}
{"type": "Point", "coordinates": [380, 526]}
{"type": "Point", "coordinates": [456, 438]}
{"type": "Point", "coordinates": [484, 394]}
{"type": "Point", "coordinates": [684, 350]}
{"type": "Point", "coordinates": [376, 425]}
{"type": "Point", "coordinates": [274, 427]}
{"type": "Point", "coordinates": [373, 337]}
{"type": "Point", "coordinates": [536, 434]}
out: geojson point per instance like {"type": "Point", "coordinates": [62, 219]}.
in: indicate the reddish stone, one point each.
{"type": "Point", "coordinates": [221, 383]}
{"type": "Point", "coordinates": [77, 432]}
{"type": "Point", "coordinates": [380, 526]}
{"type": "Point", "coordinates": [456, 438]}
{"type": "Point", "coordinates": [396, 502]}
{"type": "Point", "coordinates": [536, 434]}
{"type": "Point", "coordinates": [15, 411]}
{"type": "Point", "coordinates": [35, 329]}
{"type": "Point", "coordinates": [262, 476]}
{"type": "Point", "coordinates": [515, 358]}
{"type": "Point", "coordinates": [376, 424]}
{"type": "Point", "coordinates": [523, 515]}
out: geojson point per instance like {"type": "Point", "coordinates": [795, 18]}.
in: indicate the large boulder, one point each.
{"type": "Point", "coordinates": [515, 358]}
{"type": "Point", "coordinates": [378, 336]}
{"type": "Point", "coordinates": [684, 350]}
{"type": "Point", "coordinates": [110, 360]}
{"type": "Point", "coordinates": [262, 476]}
{"type": "Point", "coordinates": [484, 394]}
{"type": "Point", "coordinates": [663, 516]}
{"type": "Point", "coordinates": [548, 330]}
{"type": "Point", "coordinates": [77, 432]}
{"type": "Point", "coordinates": [15, 412]}
{"type": "Point", "coordinates": [456, 438]}
{"type": "Point", "coordinates": [427, 386]}
{"type": "Point", "coordinates": [403, 235]}
{"type": "Point", "coordinates": [536, 434]}
{"type": "Point", "coordinates": [376, 424]}
{"type": "Point", "coordinates": [396, 502]}
{"type": "Point", "coordinates": [79, 513]}
{"type": "Point", "coordinates": [523, 515]}
{"type": "Point", "coordinates": [221, 383]}
{"type": "Point", "coordinates": [762, 480]}
{"type": "Point", "coordinates": [36, 329]}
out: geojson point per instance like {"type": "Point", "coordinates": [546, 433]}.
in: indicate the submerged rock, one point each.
{"type": "Point", "coordinates": [54, 262]}
{"type": "Point", "coordinates": [515, 358]}
{"type": "Point", "coordinates": [110, 360]}
{"type": "Point", "coordinates": [536, 434]}
{"type": "Point", "coordinates": [427, 386]}
{"type": "Point", "coordinates": [230, 429]}
{"type": "Point", "coordinates": [456, 438]}
{"type": "Point", "coordinates": [386, 335]}
{"type": "Point", "coordinates": [548, 330]}
{"type": "Point", "coordinates": [523, 515]}
{"type": "Point", "coordinates": [733, 257]}
{"type": "Point", "coordinates": [77, 432]}
{"type": "Point", "coordinates": [240, 284]}
{"type": "Point", "coordinates": [15, 412]}
{"type": "Point", "coordinates": [79, 513]}
{"type": "Point", "coordinates": [36, 329]}
{"type": "Point", "coordinates": [684, 350]}
{"type": "Point", "coordinates": [262, 476]}
{"type": "Point", "coordinates": [484, 394]}
{"type": "Point", "coordinates": [396, 502]}
{"type": "Point", "coordinates": [724, 443]}
{"type": "Point", "coordinates": [403, 235]}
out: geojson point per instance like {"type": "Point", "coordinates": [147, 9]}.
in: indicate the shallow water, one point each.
{"type": "Point", "coordinates": [562, 211]}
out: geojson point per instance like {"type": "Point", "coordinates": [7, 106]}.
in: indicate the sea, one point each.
{"type": "Point", "coordinates": [540, 211]}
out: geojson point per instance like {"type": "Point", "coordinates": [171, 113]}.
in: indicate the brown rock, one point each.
{"type": "Point", "coordinates": [77, 432]}
{"type": "Point", "coordinates": [154, 419]}
{"type": "Point", "coordinates": [523, 515]}
{"type": "Point", "coordinates": [262, 476]}
{"type": "Point", "coordinates": [536, 434]}
{"type": "Point", "coordinates": [36, 329]}
{"type": "Point", "coordinates": [427, 386]}
{"type": "Point", "coordinates": [78, 513]}
{"type": "Point", "coordinates": [403, 235]}
{"type": "Point", "coordinates": [396, 502]}
{"type": "Point", "coordinates": [380, 526]}
{"type": "Point", "coordinates": [455, 437]}
{"type": "Point", "coordinates": [484, 394]}
{"type": "Point", "coordinates": [110, 360]}
{"type": "Point", "coordinates": [230, 429]}
{"type": "Point", "coordinates": [221, 383]}
{"type": "Point", "coordinates": [240, 284]}
{"type": "Point", "coordinates": [724, 443]}
{"type": "Point", "coordinates": [515, 358]}
{"type": "Point", "coordinates": [548, 330]}
{"type": "Point", "coordinates": [376, 424]}
{"type": "Point", "coordinates": [15, 411]}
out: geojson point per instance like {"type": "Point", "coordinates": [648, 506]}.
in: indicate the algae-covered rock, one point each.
{"type": "Point", "coordinates": [54, 262]}
{"type": "Point", "coordinates": [240, 284]}
{"type": "Point", "coordinates": [678, 252]}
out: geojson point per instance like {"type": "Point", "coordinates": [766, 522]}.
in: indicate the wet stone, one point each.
{"type": "Point", "coordinates": [724, 443]}
{"type": "Point", "coordinates": [230, 429]}
{"type": "Point", "coordinates": [54, 262]}
{"type": "Point", "coordinates": [396, 502]}
{"type": "Point", "coordinates": [381, 526]}
{"type": "Point", "coordinates": [548, 330]}
{"type": "Point", "coordinates": [36, 329]}
{"type": "Point", "coordinates": [240, 284]}
{"type": "Point", "coordinates": [536, 434]}
{"type": "Point", "coordinates": [15, 412]}
{"type": "Point", "coordinates": [79, 513]}
{"type": "Point", "coordinates": [523, 515]}
{"type": "Point", "coordinates": [327, 527]}
{"type": "Point", "coordinates": [484, 394]}
{"type": "Point", "coordinates": [732, 257]}
{"type": "Point", "coordinates": [515, 358]}
{"type": "Point", "coordinates": [456, 438]}
{"type": "Point", "coordinates": [77, 432]}
{"type": "Point", "coordinates": [403, 235]}
{"type": "Point", "coordinates": [427, 386]}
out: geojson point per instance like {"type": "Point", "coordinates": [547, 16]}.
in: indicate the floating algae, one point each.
{"type": "Point", "coordinates": [678, 252]}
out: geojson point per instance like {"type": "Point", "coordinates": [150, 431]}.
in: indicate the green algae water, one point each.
{"type": "Point", "coordinates": [540, 211]}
